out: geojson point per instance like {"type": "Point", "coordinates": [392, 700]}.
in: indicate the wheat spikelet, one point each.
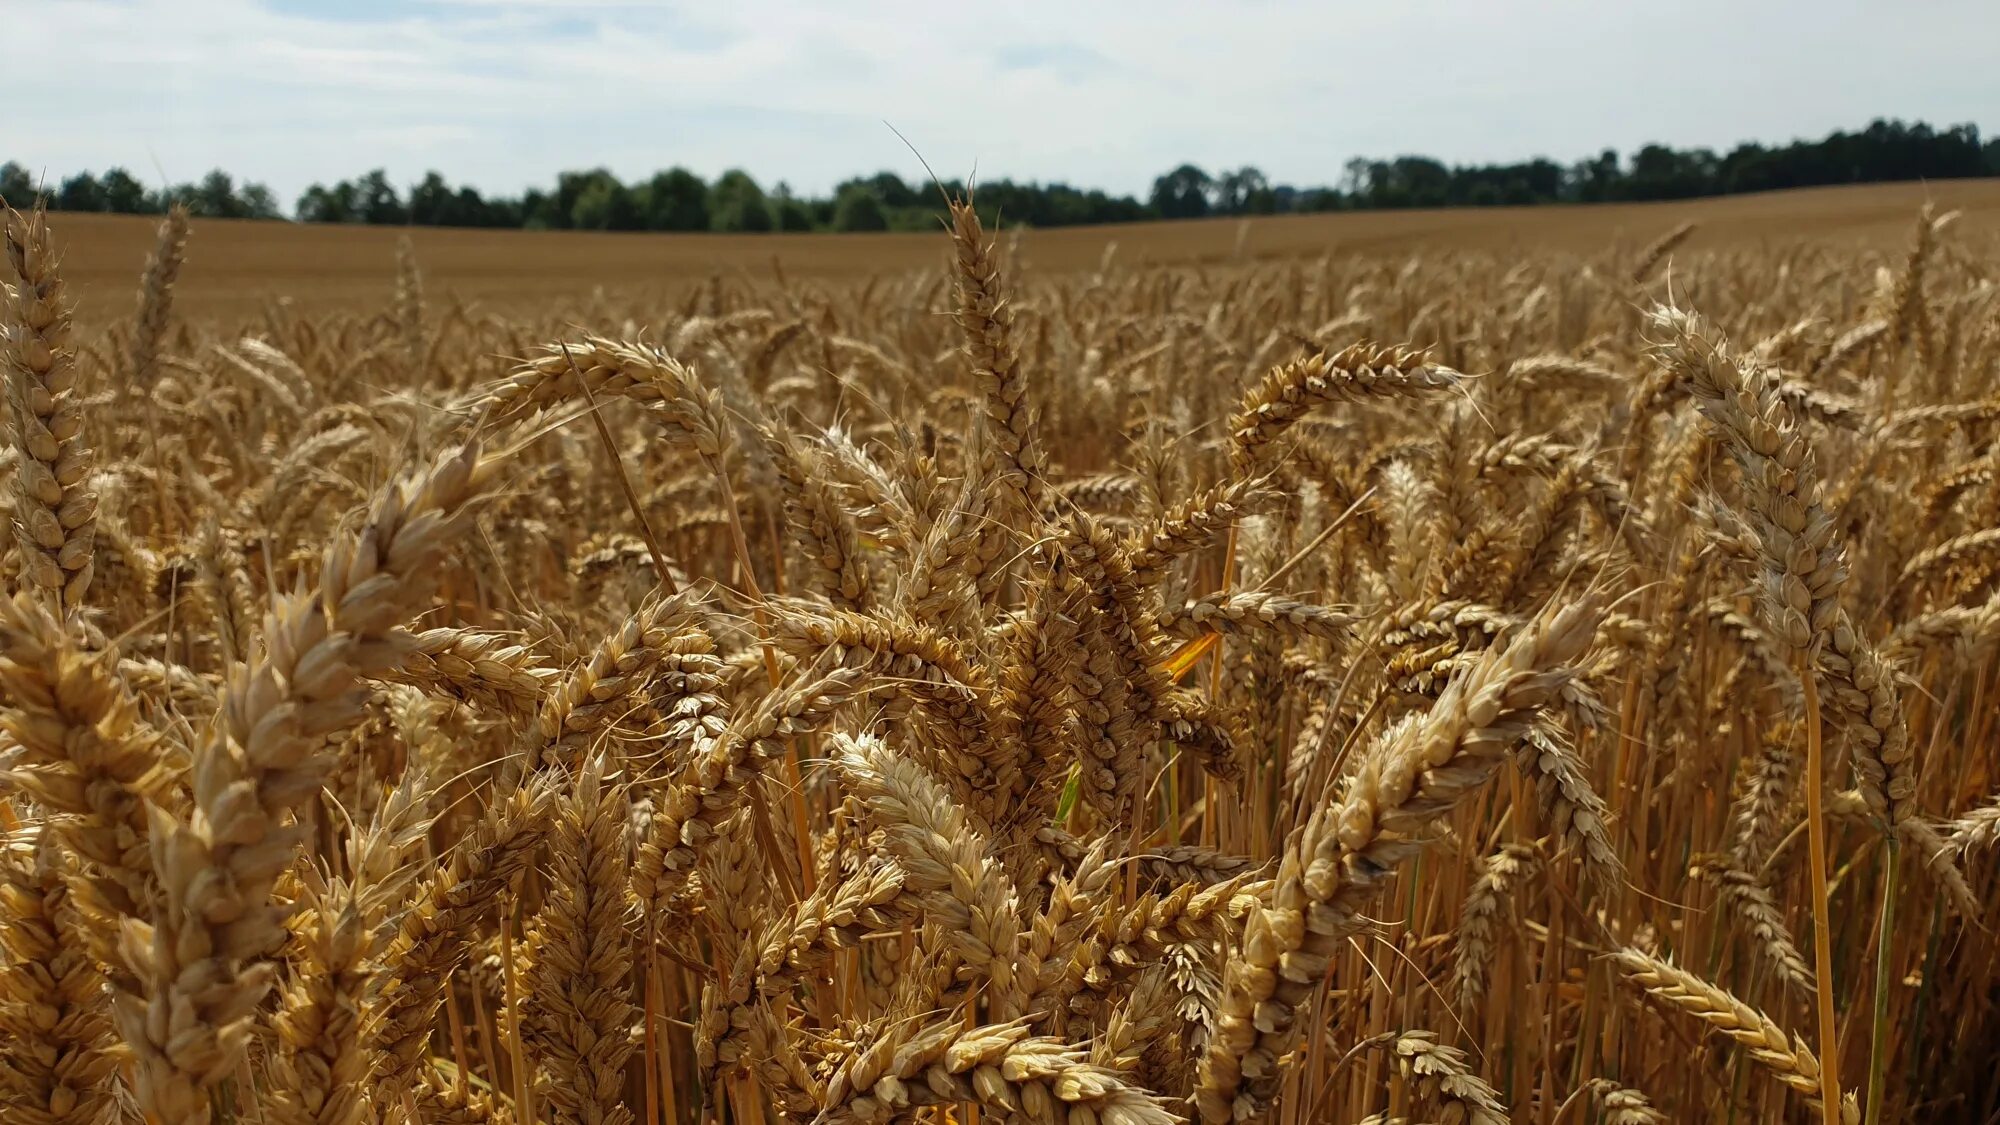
{"type": "Point", "coordinates": [201, 971]}
{"type": "Point", "coordinates": [1015, 466]}
{"type": "Point", "coordinates": [1624, 1105]}
{"type": "Point", "coordinates": [156, 298]}
{"type": "Point", "coordinates": [1656, 251]}
{"type": "Point", "coordinates": [607, 690]}
{"type": "Point", "coordinates": [55, 507]}
{"type": "Point", "coordinates": [1783, 1056]}
{"type": "Point", "coordinates": [1979, 828]}
{"type": "Point", "coordinates": [1416, 770]}
{"type": "Point", "coordinates": [1484, 908]}
{"type": "Point", "coordinates": [668, 390]}
{"type": "Point", "coordinates": [1195, 524]}
{"type": "Point", "coordinates": [999, 1065]}
{"type": "Point", "coordinates": [579, 957]}
{"type": "Point", "coordinates": [1751, 903]}
{"type": "Point", "coordinates": [963, 889]}
{"type": "Point", "coordinates": [1570, 807]}
{"type": "Point", "coordinates": [437, 932]}
{"type": "Point", "coordinates": [1444, 1073]}
{"type": "Point", "coordinates": [823, 527]}
{"type": "Point", "coordinates": [85, 752]}
{"type": "Point", "coordinates": [56, 1050]}
{"type": "Point", "coordinates": [1765, 794]}
{"type": "Point", "coordinates": [319, 1068]}
{"type": "Point", "coordinates": [1356, 374]}
{"type": "Point", "coordinates": [1803, 565]}
{"type": "Point", "coordinates": [1951, 552]}
{"type": "Point", "coordinates": [410, 306]}
{"type": "Point", "coordinates": [488, 669]}
{"type": "Point", "coordinates": [1849, 345]}
{"type": "Point", "coordinates": [1234, 613]}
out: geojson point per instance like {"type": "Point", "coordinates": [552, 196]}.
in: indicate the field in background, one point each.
{"type": "Point", "coordinates": [235, 265]}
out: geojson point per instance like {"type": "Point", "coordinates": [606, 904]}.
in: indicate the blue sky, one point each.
{"type": "Point", "coordinates": [1102, 93]}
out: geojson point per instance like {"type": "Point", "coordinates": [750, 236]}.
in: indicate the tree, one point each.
{"type": "Point", "coordinates": [736, 203]}
{"type": "Point", "coordinates": [857, 208]}
{"type": "Point", "coordinates": [1659, 172]}
{"type": "Point", "coordinates": [16, 186]}
{"type": "Point", "coordinates": [433, 204]}
{"type": "Point", "coordinates": [376, 201]}
{"type": "Point", "coordinates": [1410, 181]}
{"type": "Point", "coordinates": [80, 192]}
{"type": "Point", "coordinates": [1593, 181]}
{"type": "Point", "coordinates": [1182, 193]}
{"type": "Point", "coordinates": [542, 211]}
{"type": "Point", "coordinates": [605, 204]}
{"type": "Point", "coordinates": [893, 192]}
{"type": "Point", "coordinates": [258, 202]}
{"type": "Point", "coordinates": [122, 193]}
{"type": "Point", "coordinates": [787, 211]}
{"type": "Point", "coordinates": [559, 211]}
{"type": "Point", "coordinates": [216, 197]}
{"type": "Point", "coordinates": [482, 212]}
{"type": "Point", "coordinates": [1355, 177]}
{"type": "Point", "coordinates": [328, 205]}
{"type": "Point", "coordinates": [1235, 190]}
{"type": "Point", "coordinates": [675, 199]}
{"type": "Point", "coordinates": [1322, 199]}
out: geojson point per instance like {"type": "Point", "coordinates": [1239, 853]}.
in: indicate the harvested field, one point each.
{"type": "Point", "coordinates": [238, 264]}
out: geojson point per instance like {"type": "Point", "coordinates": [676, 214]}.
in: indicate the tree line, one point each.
{"type": "Point", "coordinates": [680, 200]}
{"type": "Point", "coordinates": [217, 195]}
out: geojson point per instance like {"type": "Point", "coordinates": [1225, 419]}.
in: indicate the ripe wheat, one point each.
{"type": "Point", "coordinates": [1289, 691]}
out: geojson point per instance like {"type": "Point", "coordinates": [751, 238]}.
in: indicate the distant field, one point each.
{"type": "Point", "coordinates": [234, 265]}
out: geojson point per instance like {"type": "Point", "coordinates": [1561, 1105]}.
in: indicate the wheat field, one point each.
{"type": "Point", "coordinates": [238, 265]}
{"type": "Point", "coordinates": [1542, 685]}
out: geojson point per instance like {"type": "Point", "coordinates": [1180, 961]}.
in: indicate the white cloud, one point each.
{"type": "Point", "coordinates": [502, 93]}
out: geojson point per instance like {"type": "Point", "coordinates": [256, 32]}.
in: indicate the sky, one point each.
{"type": "Point", "coordinates": [1098, 93]}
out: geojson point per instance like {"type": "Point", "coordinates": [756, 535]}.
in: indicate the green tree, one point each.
{"type": "Point", "coordinates": [334, 204]}
{"type": "Point", "coordinates": [559, 212]}
{"type": "Point", "coordinates": [788, 212]}
{"type": "Point", "coordinates": [1595, 180]}
{"type": "Point", "coordinates": [736, 203]}
{"type": "Point", "coordinates": [259, 203]}
{"type": "Point", "coordinates": [433, 204]}
{"type": "Point", "coordinates": [1322, 199]}
{"type": "Point", "coordinates": [17, 187]}
{"type": "Point", "coordinates": [675, 199]}
{"type": "Point", "coordinates": [606, 204]}
{"type": "Point", "coordinates": [80, 192]}
{"type": "Point", "coordinates": [792, 214]}
{"type": "Point", "coordinates": [1234, 191]}
{"type": "Point", "coordinates": [541, 211]}
{"type": "Point", "coordinates": [496, 212]}
{"type": "Point", "coordinates": [376, 201]}
{"type": "Point", "coordinates": [1182, 193]}
{"type": "Point", "coordinates": [216, 197]}
{"type": "Point", "coordinates": [1659, 172]}
{"type": "Point", "coordinates": [893, 192]}
{"type": "Point", "coordinates": [122, 193]}
{"type": "Point", "coordinates": [858, 208]}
